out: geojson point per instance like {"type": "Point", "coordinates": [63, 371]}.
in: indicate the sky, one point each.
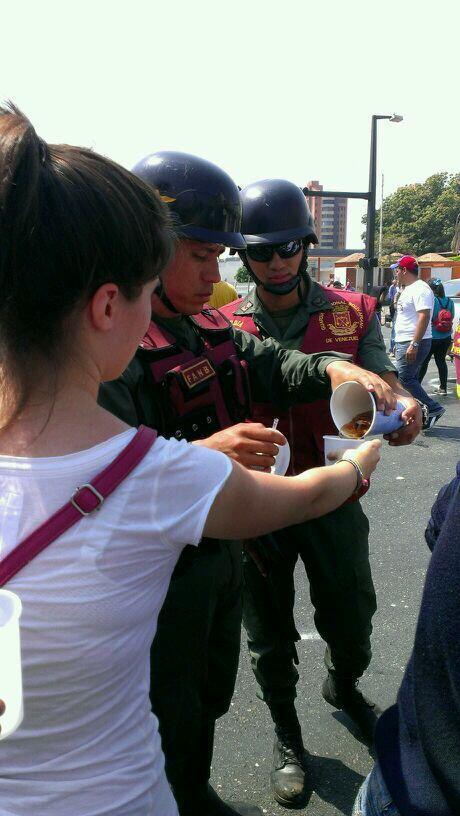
{"type": "Point", "coordinates": [264, 89]}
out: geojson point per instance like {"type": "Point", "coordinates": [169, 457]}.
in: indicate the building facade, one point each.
{"type": "Point", "coordinates": [330, 216]}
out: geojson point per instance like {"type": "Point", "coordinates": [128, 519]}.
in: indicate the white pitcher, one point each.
{"type": "Point", "coordinates": [10, 663]}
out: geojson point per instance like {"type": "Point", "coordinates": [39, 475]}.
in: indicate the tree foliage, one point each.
{"type": "Point", "coordinates": [420, 218]}
{"type": "Point", "coordinates": [242, 275]}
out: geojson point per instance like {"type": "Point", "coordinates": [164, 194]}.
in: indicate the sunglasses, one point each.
{"type": "Point", "coordinates": [265, 252]}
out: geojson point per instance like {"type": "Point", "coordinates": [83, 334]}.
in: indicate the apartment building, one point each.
{"type": "Point", "coordinates": [330, 216]}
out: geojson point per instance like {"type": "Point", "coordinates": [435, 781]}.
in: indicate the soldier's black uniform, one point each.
{"type": "Point", "coordinates": [195, 652]}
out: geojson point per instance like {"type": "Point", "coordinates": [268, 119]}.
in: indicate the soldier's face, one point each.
{"type": "Point", "coordinates": [189, 278]}
{"type": "Point", "coordinates": [278, 270]}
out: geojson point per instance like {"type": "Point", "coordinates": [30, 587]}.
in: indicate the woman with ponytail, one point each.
{"type": "Point", "coordinates": [82, 242]}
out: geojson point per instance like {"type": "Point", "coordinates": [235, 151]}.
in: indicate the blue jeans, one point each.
{"type": "Point", "coordinates": [392, 336]}
{"type": "Point", "coordinates": [408, 372]}
{"type": "Point", "coordinates": [373, 797]}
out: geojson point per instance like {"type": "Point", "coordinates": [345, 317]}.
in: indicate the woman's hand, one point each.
{"type": "Point", "coordinates": [367, 456]}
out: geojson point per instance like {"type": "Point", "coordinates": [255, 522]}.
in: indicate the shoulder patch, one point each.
{"type": "Point", "coordinates": [320, 301]}
{"type": "Point", "coordinates": [246, 306]}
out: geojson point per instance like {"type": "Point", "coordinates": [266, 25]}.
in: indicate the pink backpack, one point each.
{"type": "Point", "coordinates": [443, 321]}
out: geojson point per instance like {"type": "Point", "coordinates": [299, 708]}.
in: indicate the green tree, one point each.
{"type": "Point", "coordinates": [242, 275]}
{"type": "Point", "coordinates": [420, 218]}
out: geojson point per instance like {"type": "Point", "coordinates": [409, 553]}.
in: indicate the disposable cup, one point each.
{"type": "Point", "coordinates": [337, 445]}
{"type": "Point", "coordinates": [351, 399]}
{"type": "Point", "coordinates": [282, 460]}
{"type": "Point", "coordinates": [10, 663]}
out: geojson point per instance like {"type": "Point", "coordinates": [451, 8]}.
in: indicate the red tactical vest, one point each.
{"type": "Point", "coordinates": [202, 393]}
{"type": "Point", "coordinates": [339, 329]}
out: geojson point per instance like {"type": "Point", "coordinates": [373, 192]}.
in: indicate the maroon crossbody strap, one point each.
{"type": "Point", "coordinates": [85, 500]}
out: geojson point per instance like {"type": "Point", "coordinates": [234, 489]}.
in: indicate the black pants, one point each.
{"type": "Point", "coordinates": [335, 552]}
{"type": "Point", "coordinates": [439, 349]}
{"type": "Point", "coordinates": [194, 660]}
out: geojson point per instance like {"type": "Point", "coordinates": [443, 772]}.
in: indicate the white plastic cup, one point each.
{"type": "Point", "coordinates": [10, 663]}
{"type": "Point", "coordinates": [351, 398]}
{"type": "Point", "coordinates": [337, 445]}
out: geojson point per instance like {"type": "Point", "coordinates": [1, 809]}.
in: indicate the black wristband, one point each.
{"type": "Point", "coordinates": [359, 473]}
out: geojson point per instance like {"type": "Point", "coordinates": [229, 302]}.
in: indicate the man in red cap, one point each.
{"type": "Point", "coordinates": [413, 334]}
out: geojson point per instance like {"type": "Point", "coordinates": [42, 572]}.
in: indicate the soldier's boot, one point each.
{"type": "Point", "coordinates": [199, 798]}
{"type": "Point", "coordinates": [288, 775]}
{"type": "Point", "coordinates": [343, 693]}
{"type": "Point", "coordinates": [215, 806]}
{"type": "Point", "coordinates": [205, 801]}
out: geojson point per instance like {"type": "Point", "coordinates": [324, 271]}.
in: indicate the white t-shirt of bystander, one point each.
{"type": "Point", "coordinates": [89, 744]}
{"type": "Point", "coordinates": [412, 300]}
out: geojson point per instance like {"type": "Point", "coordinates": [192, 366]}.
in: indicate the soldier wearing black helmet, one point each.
{"type": "Point", "coordinates": [190, 379]}
{"type": "Point", "coordinates": [300, 314]}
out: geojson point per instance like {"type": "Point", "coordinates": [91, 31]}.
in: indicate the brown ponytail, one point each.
{"type": "Point", "coordinates": [70, 220]}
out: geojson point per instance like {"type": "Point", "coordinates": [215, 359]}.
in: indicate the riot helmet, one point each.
{"type": "Point", "coordinates": [275, 212]}
{"type": "Point", "coordinates": [203, 200]}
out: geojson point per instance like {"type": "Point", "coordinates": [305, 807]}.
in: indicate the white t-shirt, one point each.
{"type": "Point", "coordinates": [413, 299]}
{"type": "Point", "coordinates": [88, 744]}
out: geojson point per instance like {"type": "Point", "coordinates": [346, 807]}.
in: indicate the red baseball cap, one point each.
{"type": "Point", "coordinates": [408, 262]}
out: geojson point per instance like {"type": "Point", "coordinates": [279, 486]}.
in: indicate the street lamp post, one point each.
{"type": "Point", "coordinates": [381, 232]}
{"type": "Point", "coordinates": [370, 228]}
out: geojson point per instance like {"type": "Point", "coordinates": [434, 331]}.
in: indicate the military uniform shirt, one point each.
{"type": "Point", "coordinates": [289, 325]}
{"type": "Point", "coordinates": [277, 375]}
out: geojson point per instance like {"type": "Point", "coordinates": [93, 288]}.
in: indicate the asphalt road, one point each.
{"type": "Point", "coordinates": [398, 506]}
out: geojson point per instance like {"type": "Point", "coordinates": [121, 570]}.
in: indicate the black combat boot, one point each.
{"type": "Point", "coordinates": [198, 798]}
{"type": "Point", "coordinates": [205, 801]}
{"type": "Point", "coordinates": [343, 692]}
{"type": "Point", "coordinates": [289, 762]}
{"type": "Point", "coordinates": [215, 806]}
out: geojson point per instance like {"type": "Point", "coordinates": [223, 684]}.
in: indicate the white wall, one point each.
{"type": "Point", "coordinates": [442, 272]}
{"type": "Point", "coordinates": [340, 274]}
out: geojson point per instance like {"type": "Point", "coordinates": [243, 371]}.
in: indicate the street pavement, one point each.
{"type": "Point", "coordinates": [398, 507]}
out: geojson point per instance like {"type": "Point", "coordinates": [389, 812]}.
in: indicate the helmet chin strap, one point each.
{"type": "Point", "coordinates": [282, 288]}
{"type": "Point", "coordinates": [288, 286]}
{"type": "Point", "coordinates": [161, 293]}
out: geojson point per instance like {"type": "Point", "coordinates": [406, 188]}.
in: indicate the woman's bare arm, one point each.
{"type": "Point", "coordinates": [251, 503]}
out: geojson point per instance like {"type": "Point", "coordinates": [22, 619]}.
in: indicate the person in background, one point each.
{"type": "Point", "coordinates": [441, 334]}
{"type": "Point", "coordinates": [380, 294]}
{"type": "Point", "coordinates": [413, 334]}
{"type": "Point", "coordinates": [287, 305]}
{"type": "Point", "coordinates": [393, 294]}
{"type": "Point", "coordinates": [337, 284]}
{"type": "Point", "coordinates": [349, 287]}
{"type": "Point", "coordinates": [417, 772]}
{"type": "Point", "coordinates": [77, 276]}
{"type": "Point", "coordinates": [222, 293]}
